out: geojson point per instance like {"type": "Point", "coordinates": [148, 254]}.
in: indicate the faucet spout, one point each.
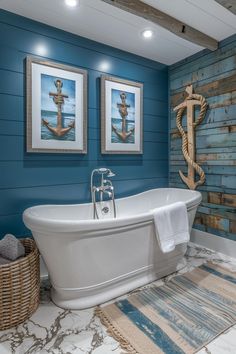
{"type": "Point", "coordinates": [105, 187]}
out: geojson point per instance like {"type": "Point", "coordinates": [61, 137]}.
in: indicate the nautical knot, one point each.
{"type": "Point", "coordinates": [199, 119]}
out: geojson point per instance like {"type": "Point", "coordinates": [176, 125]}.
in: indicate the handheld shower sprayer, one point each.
{"type": "Point", "coordinates": [104, 171]}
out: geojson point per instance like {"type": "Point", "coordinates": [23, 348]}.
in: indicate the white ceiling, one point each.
{"type": "Point", "coordinates": [104, 23]}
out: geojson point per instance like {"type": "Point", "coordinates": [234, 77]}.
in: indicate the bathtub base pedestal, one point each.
{"type": "Point", "coordinates": [78, 299]}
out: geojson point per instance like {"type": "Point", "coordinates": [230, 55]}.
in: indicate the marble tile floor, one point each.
{"type": "Point", "coordinates": [57, 331]}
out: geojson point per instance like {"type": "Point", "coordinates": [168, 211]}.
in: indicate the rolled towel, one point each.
{"type": "Point", "coordinates": [4, 261]}
{"type": "Point", "coordinates": [11, 248]}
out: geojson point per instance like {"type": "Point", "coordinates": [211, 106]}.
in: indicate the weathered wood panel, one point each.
{"type": "Point", "coordinates": [210, 186]}
{"type": "Point", "coordinates": [232, 227]}
{"type": "Point", "coordinates": [213, 221]}
{"type": "Point", "coordinates": [207, 162]}
{"type": "Point", "coordinates": [214, 88]}
{"type": "Point", "coordinates": [230, 181]}
{"type": "Point", "coordinates": [204, 75]}
{"type": "Point", "coordinates": [203, 59]}
{"type": "Point", "coordinates": [214, 76]}
{"type": "Point", "coordinates": [226, 213]}
{"type": "Point", "coordinates": [222, 198]}
{"type": "Point", "coordinates": [209, 141]}
{"type": "Point", "coordinates": [208, 157]}
{"type": "Point", "coordinates": [175, 134]}
{"type": "Point", "coordinates": [215, 117]}
{"type": "Point", "coordinates": [212, 170]}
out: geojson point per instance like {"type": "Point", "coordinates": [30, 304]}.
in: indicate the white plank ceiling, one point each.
{"type": "Point", "coordinates": [104, 23]}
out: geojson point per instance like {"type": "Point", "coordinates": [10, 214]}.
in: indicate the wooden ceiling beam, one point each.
{"type": "Point", "coordinates": [150, 13]}
{"type": "Point", "coordinates": [228, 4]}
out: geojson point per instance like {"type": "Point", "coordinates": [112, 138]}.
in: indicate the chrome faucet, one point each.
{"type": "Point", "coordinates": [105, 187]}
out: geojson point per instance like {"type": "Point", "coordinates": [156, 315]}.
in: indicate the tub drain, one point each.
{"type": "Point", "coordinates": [105, 210]}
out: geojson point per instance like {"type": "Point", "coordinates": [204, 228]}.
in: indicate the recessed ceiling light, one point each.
{"type": "Point", "coordinates": [71, 3]}
{"type": "Point", "coordinates": [147, 34]}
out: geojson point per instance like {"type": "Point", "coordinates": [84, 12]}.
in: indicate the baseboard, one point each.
{"type": "Point", "coordinates": [213, 242]}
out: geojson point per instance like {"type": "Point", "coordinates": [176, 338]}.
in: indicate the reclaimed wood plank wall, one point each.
{"type": "Point", "coordinates": [213, 74]}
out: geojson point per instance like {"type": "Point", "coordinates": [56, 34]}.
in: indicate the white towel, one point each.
{"type": "Point", "coordinates": [171, 225]}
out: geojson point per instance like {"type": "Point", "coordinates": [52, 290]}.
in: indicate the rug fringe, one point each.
{"type": "Point", "coordinates": [112, 331]}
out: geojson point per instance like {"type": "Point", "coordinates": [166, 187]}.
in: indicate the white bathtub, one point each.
{"type": "Point", "coordinates": [92, 261]}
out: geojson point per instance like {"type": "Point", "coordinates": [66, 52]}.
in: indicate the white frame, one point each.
{"type": "Point", "coordinates": [107, 84]}
{"type": "Point", "coordinates": [35, 67]}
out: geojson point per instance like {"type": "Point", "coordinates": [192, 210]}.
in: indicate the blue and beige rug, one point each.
{"type": "Point", "coordinates": [179, 317]}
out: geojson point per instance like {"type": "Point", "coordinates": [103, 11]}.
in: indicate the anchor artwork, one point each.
{"type": "Point", "coordinates": [188, 140]}
{"type": "Point", "coordinates": [58, 116]}
{"type": "Point", "coordinates": [126, 133]}
{"type": "Point", "coordinates": [58, 99]}
{"type": "Point", "coordinates": [56, 107]}
{"type": "Point", "coordinates": [121, 113]}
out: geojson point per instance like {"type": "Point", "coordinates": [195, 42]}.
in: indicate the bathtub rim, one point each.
{"type": "Point", "coordinates": [42, 224]}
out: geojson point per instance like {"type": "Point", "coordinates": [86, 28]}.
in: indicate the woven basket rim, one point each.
{"type": "Point", "coordinates": [22, 259]}
{"type": "Point", "coordinates": [20, 287]}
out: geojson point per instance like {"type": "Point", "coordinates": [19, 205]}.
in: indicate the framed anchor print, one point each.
{"type": "Point", "coordinates": [56, 107]}
{"type": "Point", "coordinates": [121, 116]}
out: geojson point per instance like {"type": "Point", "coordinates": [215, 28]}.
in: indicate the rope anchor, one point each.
{"type": "Point", "coordinates": [188, 140]}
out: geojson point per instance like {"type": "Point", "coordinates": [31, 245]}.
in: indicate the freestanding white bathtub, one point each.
{"type": "Point", "coordinates": [92, 261]}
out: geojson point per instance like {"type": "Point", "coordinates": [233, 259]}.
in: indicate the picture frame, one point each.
{"type": "Point", "coordinates": [121, 116]}
{"type": "Point", "coordinates": [56, 102]}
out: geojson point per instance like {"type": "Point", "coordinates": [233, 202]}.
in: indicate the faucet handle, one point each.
{"type": "Point", "coordinates": [109, 186]}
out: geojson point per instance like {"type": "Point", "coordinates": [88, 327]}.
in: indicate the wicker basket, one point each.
{"type": "Point", "coordinates": [19, 287]}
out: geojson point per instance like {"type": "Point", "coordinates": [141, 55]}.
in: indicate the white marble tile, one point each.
{"type": "Point", "coordinates": [224, 344]}
{"type": "Point", "coordinates": [57, 331]}
{"type": "Point", "coordinates": [53, 330]}
{"type": "Point", "coordinates": [202, 351]}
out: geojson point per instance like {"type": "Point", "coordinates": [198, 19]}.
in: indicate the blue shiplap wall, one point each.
{"type": "Point", "coordinates": [30, 179]}
{"type": "Point", "coordinates": [213, 74]}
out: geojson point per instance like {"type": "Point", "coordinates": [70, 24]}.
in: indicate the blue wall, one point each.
{"type": "Point", "coordinates": [28, 179]}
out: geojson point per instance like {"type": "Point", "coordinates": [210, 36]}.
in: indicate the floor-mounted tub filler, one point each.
{"type": "Point", "coordinates": [92, 260]}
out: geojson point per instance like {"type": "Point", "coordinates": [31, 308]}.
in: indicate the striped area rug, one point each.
{"type": "Point", "coordinates": [179, 317]}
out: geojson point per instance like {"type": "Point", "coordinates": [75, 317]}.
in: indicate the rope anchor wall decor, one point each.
{"type": "Point", "coordinates": [188, 140]}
